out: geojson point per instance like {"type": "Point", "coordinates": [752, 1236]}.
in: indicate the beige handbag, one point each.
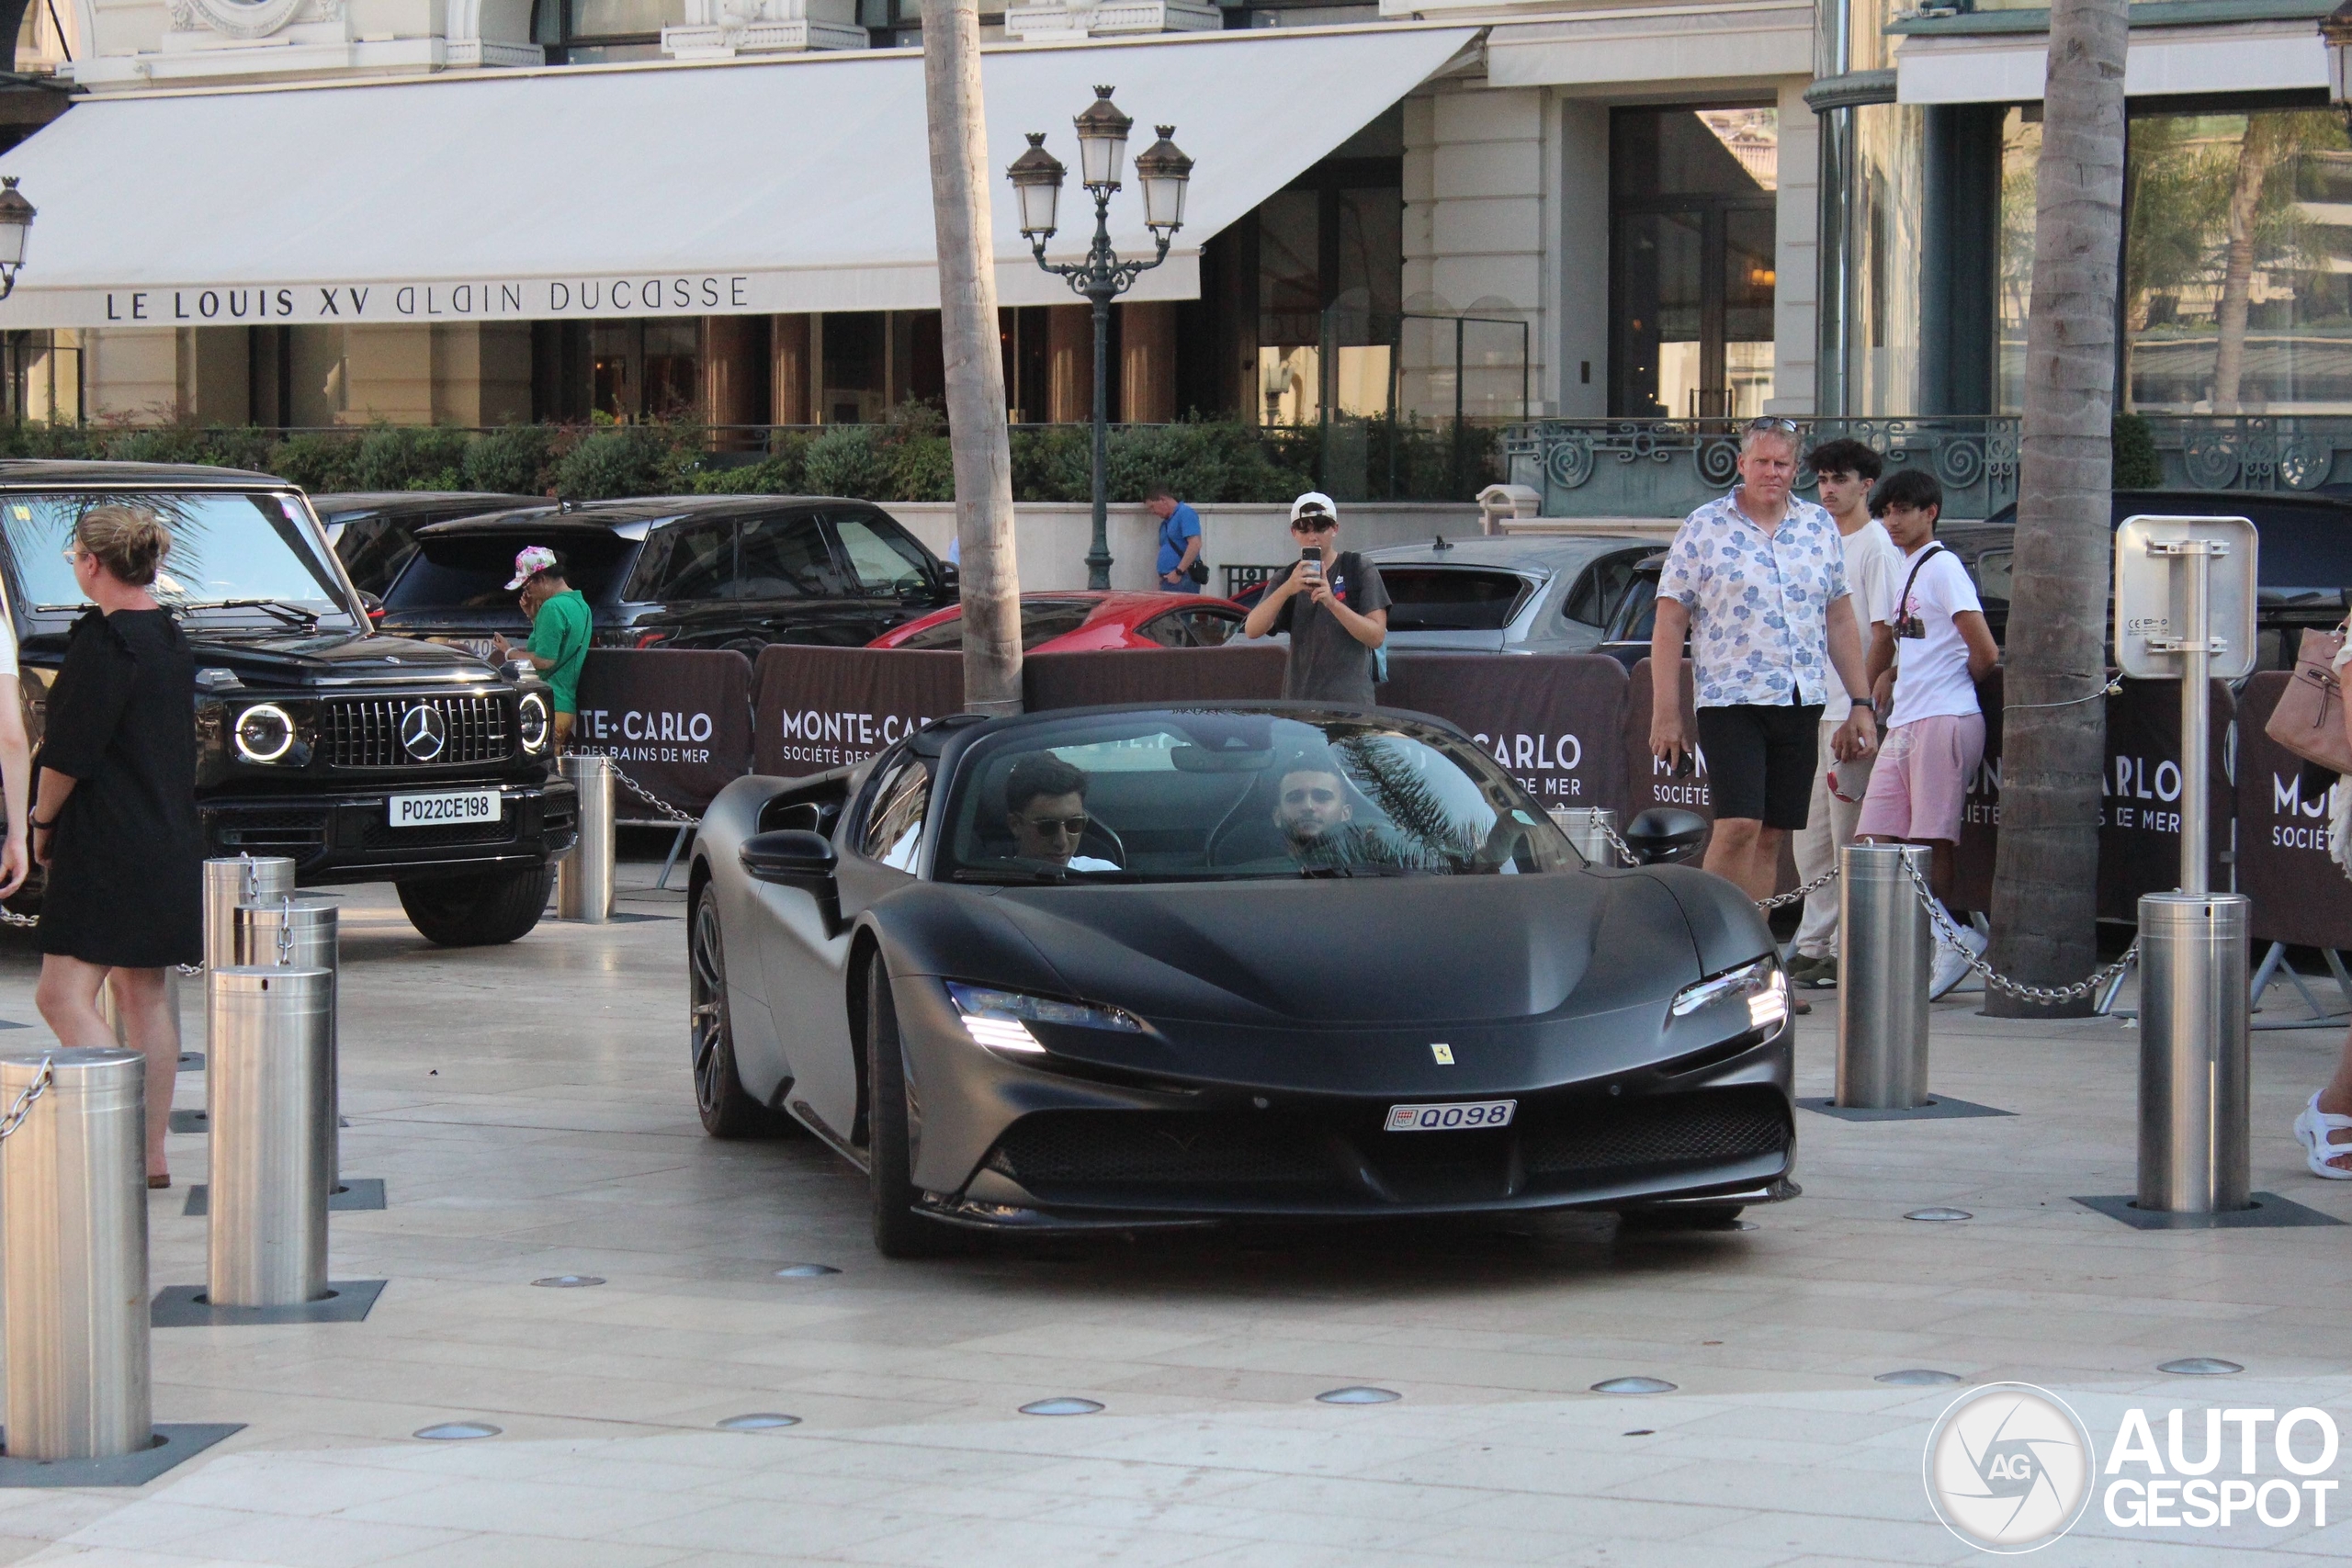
{"type": "Point", "coordinates": [2309, 720]}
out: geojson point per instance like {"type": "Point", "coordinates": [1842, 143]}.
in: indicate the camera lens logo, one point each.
{"type": "Point", "coordinates": [2008, 1467]}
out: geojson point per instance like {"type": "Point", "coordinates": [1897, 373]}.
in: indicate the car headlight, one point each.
{"type": "Point", "coordinates": [1001, 1020]}
{"type": "Point", "coordinates": [265, 733]}
{"type": "Point", "coordinates": [531, 722]}
{"type": "Point", "coordinates": [1761, 983]}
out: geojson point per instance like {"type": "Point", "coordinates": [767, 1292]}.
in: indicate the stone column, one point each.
{"type": "Point", "coordinates": [1070, 365]}
{"type": "Point", "coordinates": [790, 366]}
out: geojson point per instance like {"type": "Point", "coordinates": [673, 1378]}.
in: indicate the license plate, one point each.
{"type": "Point", "coordinates": [449, 808]}
{"type": "Point", "coordinates": [1459, 1117]}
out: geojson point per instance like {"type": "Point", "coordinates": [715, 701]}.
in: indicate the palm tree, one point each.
{"type": "Point", "coordinates": [977, 435]}
{"type": "Point", "coordinates": [2045, 885]}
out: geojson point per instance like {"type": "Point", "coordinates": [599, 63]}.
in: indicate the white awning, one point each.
{"type": "Point", "coordinates": [736, 187]}
{"type": "Point", "coordinates": [2267, 56]}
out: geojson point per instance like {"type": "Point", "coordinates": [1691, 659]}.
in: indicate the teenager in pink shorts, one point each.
{"type": "Point", "coordinates": [1935, 736]}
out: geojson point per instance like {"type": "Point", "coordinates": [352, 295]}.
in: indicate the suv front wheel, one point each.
{"type": "Point", "coordinates": [478, 911]}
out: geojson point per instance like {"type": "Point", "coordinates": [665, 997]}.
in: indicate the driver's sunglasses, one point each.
{"type": "Point", "coordinates": [1068, 827]}
{"type": "Point", "coordinates": [1313, 523]}
{"type": "Point", "coordinates": [1301, 797]}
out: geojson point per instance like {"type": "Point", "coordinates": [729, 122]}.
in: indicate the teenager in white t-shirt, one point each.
{"type": "Point", "coordinates": [1935, 735]}
{"type": "Point", "coordinates": [1843, 470]}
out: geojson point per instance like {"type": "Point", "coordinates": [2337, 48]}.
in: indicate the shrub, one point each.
{"type": "Point", "coordinates": [621, 461]}
{"type": "Point", "coordinates": [512, 460]}
{"type": "Point", "coordinates": [2137, 466]}
{"type": "Point", "coordinates": [922, 468]}
{"type": "Point", "coordinates": [1051, 464]}
{"type": "Point", "coordinates": [318, 463]}
{"type": "Point", "coordinates": [850, 460]}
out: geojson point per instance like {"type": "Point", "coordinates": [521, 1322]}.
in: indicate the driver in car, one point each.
{"type": "Point", "coordinates": [1044, 805]}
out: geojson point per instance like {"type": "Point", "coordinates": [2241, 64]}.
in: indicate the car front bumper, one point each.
{"type": "Point", "coordinates": [346, 835]}
{"type": "Point", "coordinates": [1006, 1143]}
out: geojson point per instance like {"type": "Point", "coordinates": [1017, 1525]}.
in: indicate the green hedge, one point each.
{"type": "Point", "coordinates": [908, 458]}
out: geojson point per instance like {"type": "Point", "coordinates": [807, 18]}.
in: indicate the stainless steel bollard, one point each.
{"type": "Point", "coordinates": [228, 881]}
{"type": "Point", "coordinates": [1587, 828]}
{"type": "Point", "coordinates": [73, 1256]}
{"type": "Point", "coordinates": [2193, 1128]}
{"type": "Point", "coordinates": [270, 1073]}
{"type": "Point", "coordinates": [584, 878]}
{"type": "Point", "coordinates": [300, 933]}
{"type": "Point", "coordinates": [1886, 962]}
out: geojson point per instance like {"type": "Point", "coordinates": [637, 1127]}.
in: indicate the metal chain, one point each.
{"type": "Point", "coordinates": [1796, 894]}
{"type": "Point", "coordinates": [647, 795]}
{"type": "Point", "coordinates": [1947, 933]}
{"type": "Point", "coordinates": [2114, 687]}
{"type": "Point", "coordinates": [24, 1102]}
{"type": "Point", "coordinates": [1620, 845]}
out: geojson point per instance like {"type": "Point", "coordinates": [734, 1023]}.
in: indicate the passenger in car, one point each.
{"type": "Point", "coordinates": [1044, 805]}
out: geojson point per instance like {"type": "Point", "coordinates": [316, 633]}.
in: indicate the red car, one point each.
{"type": "Point", "coordinates": [1076, 622]}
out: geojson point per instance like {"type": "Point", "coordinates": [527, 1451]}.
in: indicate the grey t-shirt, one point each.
{"type": "Point", "coordinates": [1326, 663]}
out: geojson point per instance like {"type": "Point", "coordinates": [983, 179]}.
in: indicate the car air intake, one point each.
{"type": "Point", "coordinates": [381, 732]}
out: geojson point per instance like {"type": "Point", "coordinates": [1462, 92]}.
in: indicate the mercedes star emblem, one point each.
{"type": "Point", "coordinates": [423, 732]}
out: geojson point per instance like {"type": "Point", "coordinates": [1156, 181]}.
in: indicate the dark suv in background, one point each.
{"type": "Point", "coordinates": [691, 572]}
{"type": "Point", "coordinates": [374, 532]}
{"type": "Point", "coordinates": [363, 758]}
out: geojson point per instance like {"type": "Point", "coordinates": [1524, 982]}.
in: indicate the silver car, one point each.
{"type": "Point", "coordinates": [1553, 594]}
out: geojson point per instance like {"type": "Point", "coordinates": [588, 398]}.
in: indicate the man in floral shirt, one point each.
{"type": "Point", "coordinates": [1758, 580]}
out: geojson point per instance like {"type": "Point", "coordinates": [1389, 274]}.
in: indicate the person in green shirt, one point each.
{"type": "Point", "coordinates": [561, 629]}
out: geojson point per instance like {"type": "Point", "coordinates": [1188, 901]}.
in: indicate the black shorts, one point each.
{"type": "Point", "coordinates": [1760, 761]}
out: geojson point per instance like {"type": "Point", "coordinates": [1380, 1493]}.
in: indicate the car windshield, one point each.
{"type": "Point", "coordinates": [252, 555]}
{"type": "Point", "coordinates": [1179, 797]}
{"type": "Point", "coordinates": [1042, 620]}
{"type": "Point", "coordinates": [1451, 598]}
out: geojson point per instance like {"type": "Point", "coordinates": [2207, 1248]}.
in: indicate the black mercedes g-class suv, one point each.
{"type": "Point", "coordinates": [365, 758]}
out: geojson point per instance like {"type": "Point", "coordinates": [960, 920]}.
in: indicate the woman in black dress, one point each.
{"type": "Point", "coordinates": [114, 811]}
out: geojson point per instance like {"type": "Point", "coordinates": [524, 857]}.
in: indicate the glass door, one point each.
{"type": "Point", "coordinates": [1693, 236]}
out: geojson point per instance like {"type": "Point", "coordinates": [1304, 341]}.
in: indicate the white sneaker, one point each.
{"type": "Point", "coordinates": [1952, 967]}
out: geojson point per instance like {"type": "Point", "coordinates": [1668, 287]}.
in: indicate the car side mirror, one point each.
{"type": "Point", "coordinates": [1663, 836]}
{"type": "Point", "coordinates": [791, 857]}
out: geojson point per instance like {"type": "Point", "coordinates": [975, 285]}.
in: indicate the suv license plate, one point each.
{"type": "Point", "coordinates": [1455, 1118]}
{"type": "Point", "coordinates": [450, 808]}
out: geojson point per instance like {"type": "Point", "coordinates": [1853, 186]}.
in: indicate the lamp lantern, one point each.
{"type": "Point", "coordinates": [1101, 141]}
{"type": "Point", "coordinates": [1036, 177]}
{"type": "Point", "coordinates": [1163, 170]}
{"type": "Point", "coordinates": [15, 228]}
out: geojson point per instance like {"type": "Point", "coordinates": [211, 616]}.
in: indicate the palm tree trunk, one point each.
{"type": "Point", "coordinates": [2045, 883]}
{"type": "Point", "coordinates": [968, 323]}
{"type": "Point", "coordinates": [2237, 267]}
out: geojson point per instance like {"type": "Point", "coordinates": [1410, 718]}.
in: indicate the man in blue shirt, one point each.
{"type": "Point", "coordinates": [1180, 540]}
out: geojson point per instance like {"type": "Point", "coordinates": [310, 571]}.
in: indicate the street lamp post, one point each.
{"type": "Point", "coordinates": [15, 228]}
{"type": "Point", "coordinates": [1036, 177]}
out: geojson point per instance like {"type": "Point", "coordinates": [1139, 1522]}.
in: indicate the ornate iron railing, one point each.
{"type": "Point", "coordinates": [1622, 468]}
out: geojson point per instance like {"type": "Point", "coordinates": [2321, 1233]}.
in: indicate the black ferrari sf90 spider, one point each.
{"type": "Point", "coordinates": [1134, 966]}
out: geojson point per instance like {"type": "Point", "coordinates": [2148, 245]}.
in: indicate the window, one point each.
{"type": "Point", "coordinates": [1694, 233]}
{"type": "Point", "coordinates": [894, 830]}
{"type": "Point", "coordinates": [784, 557]}
{"type": "Point", "coordinates": [585, 32]}
{"type": "Point", "coordinates": [881, 556]}
{"type": "Point", "coordinates": [1597, 593]}
{"type": "Point", "coordinates": [1042, 620]}
{"type": "Point", "coordinates": [1451, 598]}
{"type": "Point", "coordinates": [698, 563]}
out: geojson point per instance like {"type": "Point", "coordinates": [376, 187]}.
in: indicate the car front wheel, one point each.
{"type": "Point", "coordinates": [726, 1110]}
{"type": "Point", "coordinates": [478, 911]}
{"type": "Point", "coordinates": [893, 1124]}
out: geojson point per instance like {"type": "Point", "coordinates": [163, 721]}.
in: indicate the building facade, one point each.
{"type": "Point", "coordinates": [1551, 210]}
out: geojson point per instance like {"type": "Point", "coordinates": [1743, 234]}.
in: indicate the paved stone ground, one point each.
{"type": "Point", "coordinates": [529, 1110]}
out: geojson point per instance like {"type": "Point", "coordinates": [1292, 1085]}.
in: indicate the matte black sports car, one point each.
{"type": "Point", "coordinates": [1140, 966]}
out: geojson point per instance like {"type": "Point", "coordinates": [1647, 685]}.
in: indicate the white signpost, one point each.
{"type": "Point", "coordinates": [2184, 611]}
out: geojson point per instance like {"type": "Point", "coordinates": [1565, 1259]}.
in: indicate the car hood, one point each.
{"type": "Point", "coordinates": [292, 659]}
{"type": "Point", "coordinates": [1385, 951]}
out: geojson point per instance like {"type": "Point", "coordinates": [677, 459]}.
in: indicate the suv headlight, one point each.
{"type": "Point", "coordinates": [265, 733]}
{"type": "Point", "coordinates": [531, 722]}
{"type": "Point", "coordinates": [1001, 1020]}
{"type": "Point", "coordinates": [1761, 983]}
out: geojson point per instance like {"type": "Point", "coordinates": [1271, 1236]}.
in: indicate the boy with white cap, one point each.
{"type": "Point", "coordinates": [1334, 606]}
{"type": "Point", "coordinates": [561, 627]}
